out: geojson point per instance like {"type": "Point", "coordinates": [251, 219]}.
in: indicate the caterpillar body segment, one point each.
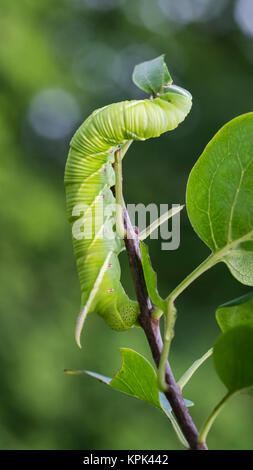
{"type": "Point", "coordinates": [89, 175]}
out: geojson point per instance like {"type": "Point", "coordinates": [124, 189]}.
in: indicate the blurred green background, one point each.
{"type": "Point", "coordinates": [60, 59]}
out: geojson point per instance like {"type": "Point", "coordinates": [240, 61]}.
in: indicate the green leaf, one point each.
{"type": "Point", "coordinates": [220, 197]}
{"type": "Point", "coordinates": [138, 379]}
{"type": "Point", "coordinates": [232, 355]}
{"type": "Point", "coordinates": [236, 312]}
{"type": "Point", "coordinates": [151, 279]}
{"type": "Point", "coordinates": [152, 76]}
{"type": "Point", "coordinates": [233, 358]}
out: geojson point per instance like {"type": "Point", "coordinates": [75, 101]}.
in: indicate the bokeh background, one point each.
{"type": "Point", "coordinates": [60, 59]}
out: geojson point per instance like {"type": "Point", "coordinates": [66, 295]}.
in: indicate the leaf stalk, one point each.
{"type": "Point", "coordinates": [210, 420]}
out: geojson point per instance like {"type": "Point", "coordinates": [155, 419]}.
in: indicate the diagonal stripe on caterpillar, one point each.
{"type": "Point", "coordinates": [89, 172]}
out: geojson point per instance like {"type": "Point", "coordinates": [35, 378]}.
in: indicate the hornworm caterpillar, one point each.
{"type": "Point", "coordinates": [89, 177]}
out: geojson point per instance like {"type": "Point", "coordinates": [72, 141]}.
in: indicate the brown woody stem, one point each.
{"type": "Point", "coordinates": [151, 328]}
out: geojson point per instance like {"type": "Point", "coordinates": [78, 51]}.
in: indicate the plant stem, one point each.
{"type": "Point", "coordinates": [178, 431]}
{"type": "Point", "coordinates": [168, 336]}
{"type": "Point", "coordinates": [171, 313]}
{"type": "Point", "coordinates": [118, 193]}
{"type": "Point", "coordinates": [189, 373]}
{"type": "Point", "coordinates": [209, 422]}
{"type": "Point", "coordinates": [204, 266]}
{"type": "Point", "coordinates": [151, 328]}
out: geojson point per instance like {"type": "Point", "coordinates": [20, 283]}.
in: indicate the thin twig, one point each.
{"type": "Point", "coordinates": [151, 328]}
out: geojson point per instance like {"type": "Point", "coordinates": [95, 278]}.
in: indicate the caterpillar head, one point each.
{"type": "Point", "coordinates": [174, 91]}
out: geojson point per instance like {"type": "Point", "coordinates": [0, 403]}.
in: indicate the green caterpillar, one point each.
{"type": "Point", "coordinates": [89, 177]}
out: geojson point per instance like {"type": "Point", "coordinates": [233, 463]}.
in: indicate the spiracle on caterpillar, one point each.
{"type": "Point", "coordinates": [90, 175]}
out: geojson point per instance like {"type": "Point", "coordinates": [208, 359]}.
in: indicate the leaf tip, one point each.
{"type": "Point", "coordinates": [72, 372]}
